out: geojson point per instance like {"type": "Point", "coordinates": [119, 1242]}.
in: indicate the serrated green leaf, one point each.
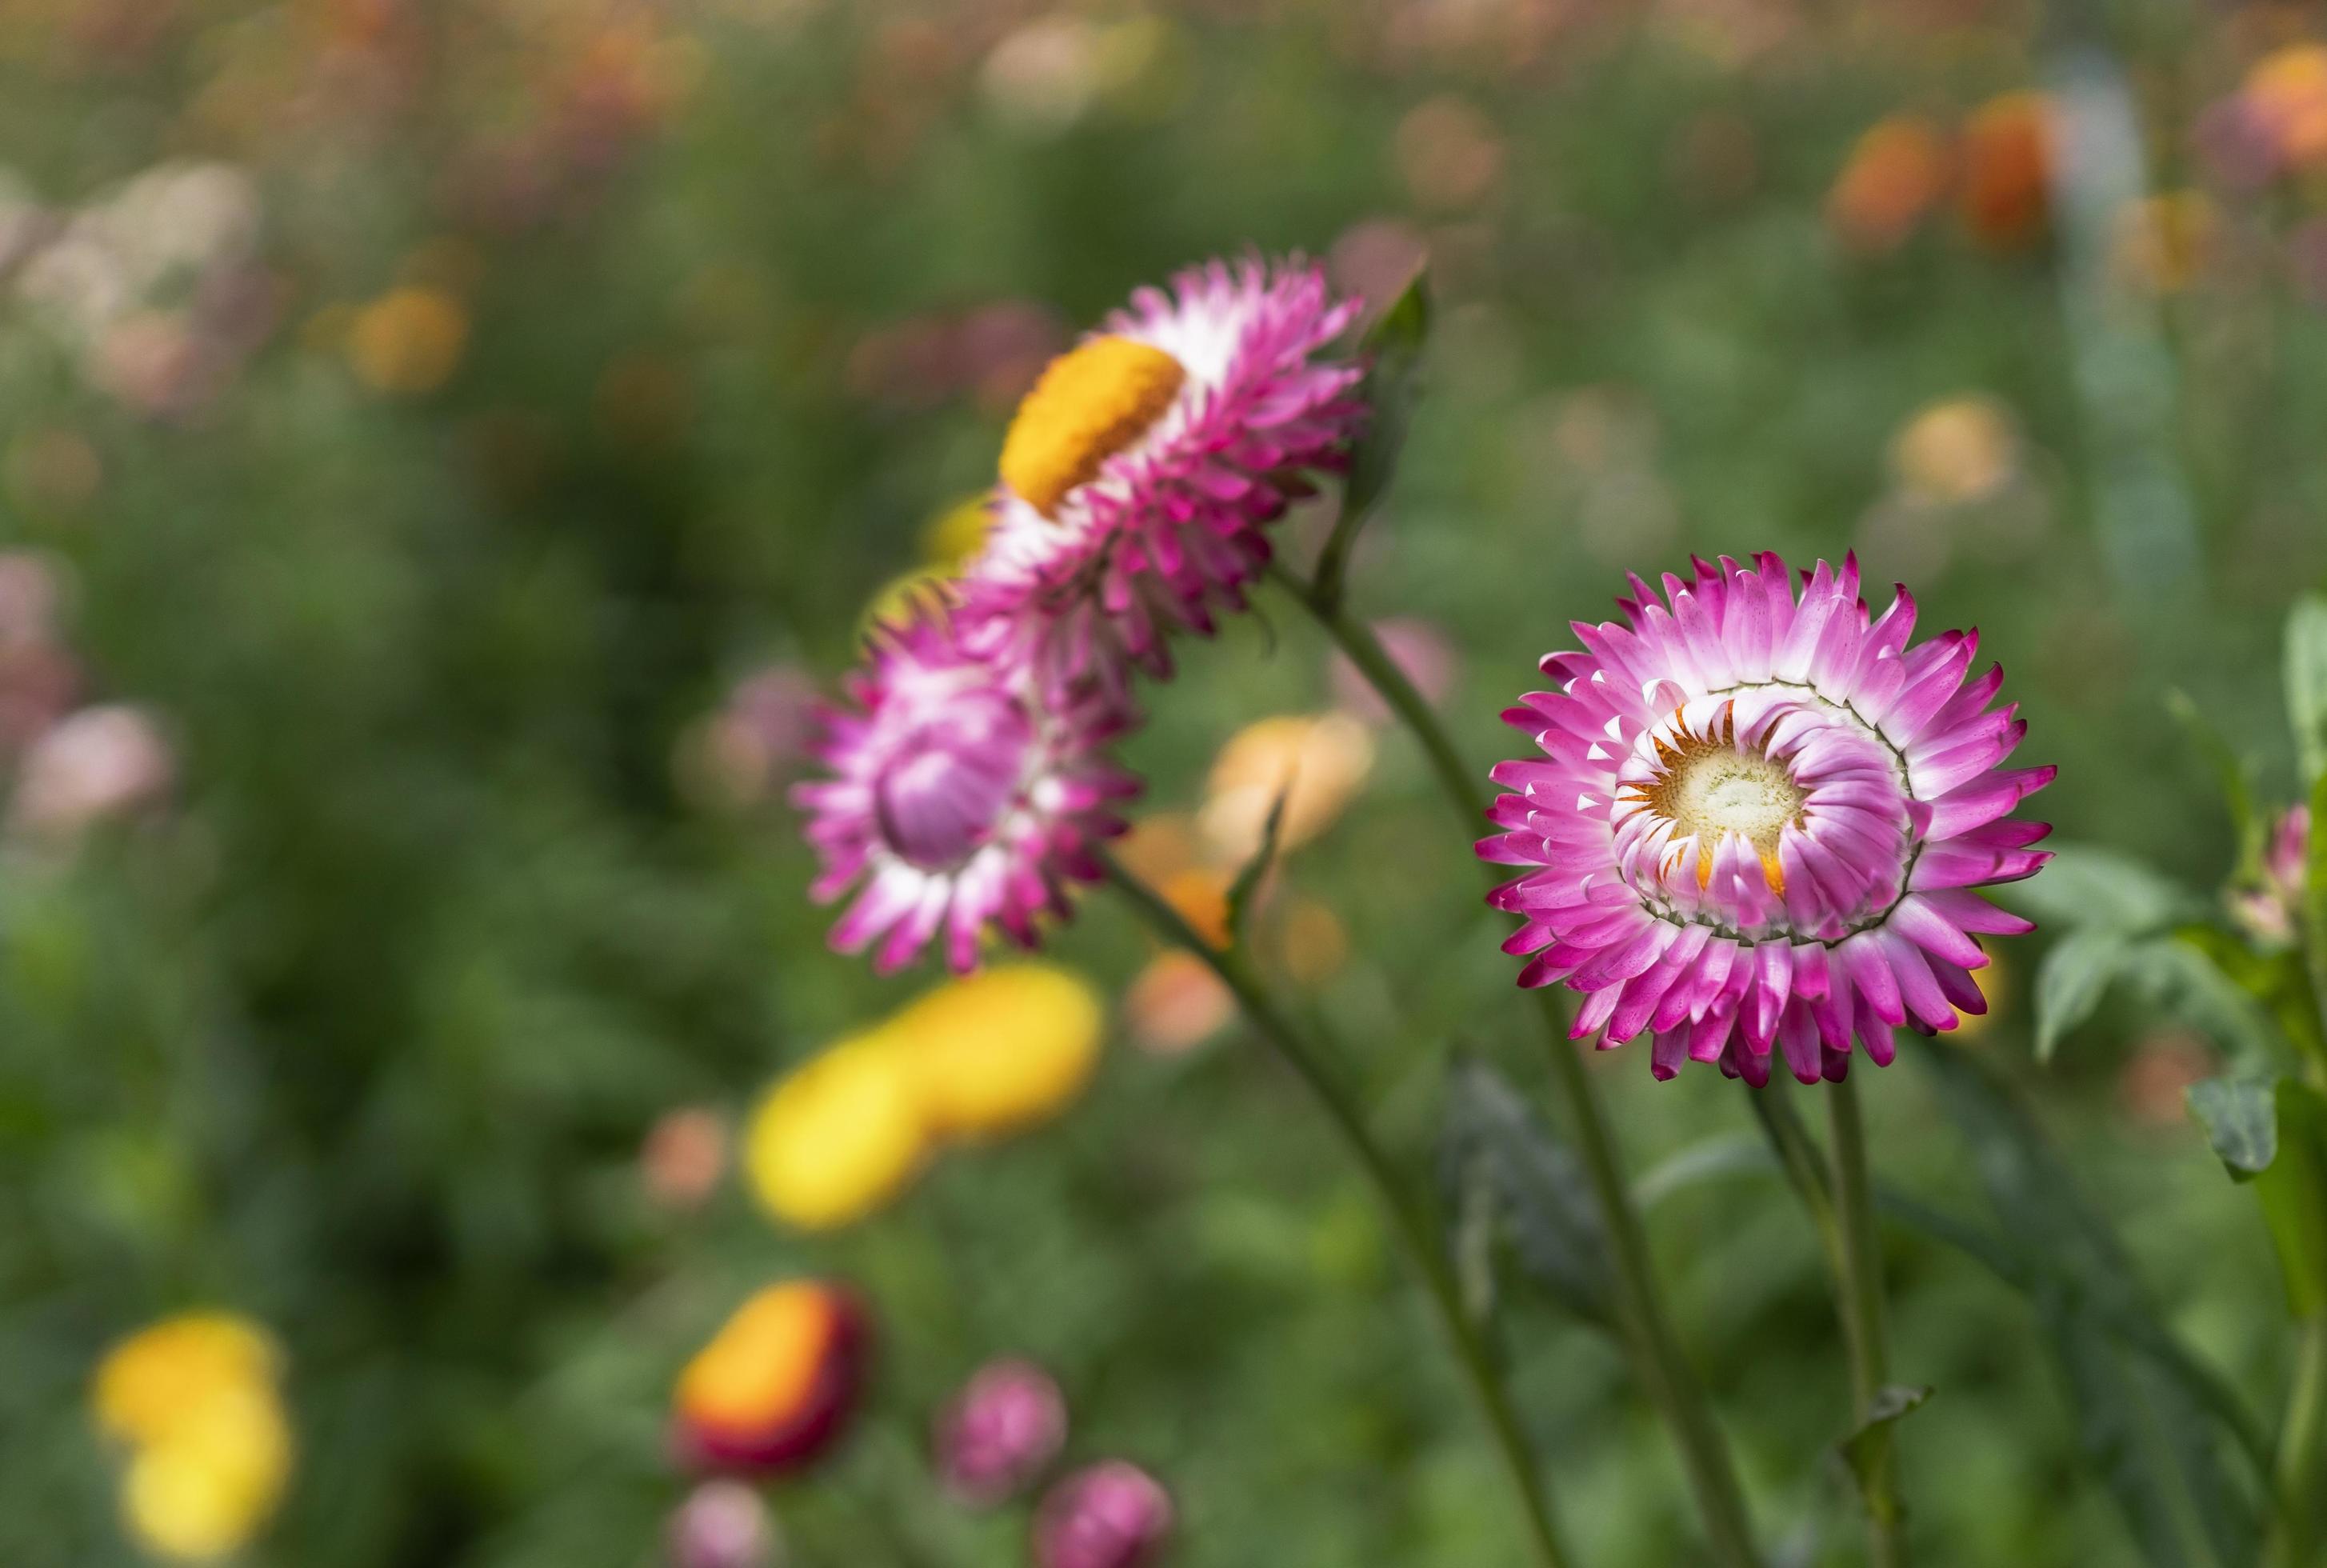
{"type": "Point", "coordinates": [1393, 351]}
{"type": "Point", "coordinates": [1264, 855]}
{"type": "Point", "coordinates": [1892, 1402]}
{"type": "Point", "coordinates": [2306, 685]}
{"type": "Point", "coordinates": [2240, 1116]}
{"type": "Point", "coordinates": [2073, 978]}
{"type": "Point", "coordinates": [1542, 1194]}
{"type": "Point", "coordinates": [2083, 885]}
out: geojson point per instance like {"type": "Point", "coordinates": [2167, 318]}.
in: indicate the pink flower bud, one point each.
{"type": "Point", "coordinates": [722, 1525]}
{"type": "Point", "coordinates": [1001, 1434]}
{"type": "Point", "coordinates": [1113, 1514]}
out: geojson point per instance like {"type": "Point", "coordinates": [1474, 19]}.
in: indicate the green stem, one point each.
{"type": "Point", "coordinates": [1860, 1286]}
{"type": "Point", "coordinates": [1658, 1360]}
{"type": "Point", "coordinates": [2302, 1449]}
{"type": "Point", "coordinates": [1415, 1231]}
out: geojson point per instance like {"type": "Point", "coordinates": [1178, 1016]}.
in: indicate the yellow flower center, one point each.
{"type": "Point", "coordinates": [1090, 402]}
{"type": "Point", "coordinates": [1713, 788]}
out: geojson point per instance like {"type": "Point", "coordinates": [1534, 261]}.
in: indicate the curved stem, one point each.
{"type": "Point", "coordinates": [2303, 1449]}
{"type": "Point", "coordinates": [1655, 1351]}
{"type": "Point", "coordinates": [1860, 1287]}
{"type": "Point", "coordinates": [1415, 1231]}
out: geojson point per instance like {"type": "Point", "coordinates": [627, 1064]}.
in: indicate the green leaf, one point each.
{"type": "Point", "coordinates": [1393, 351]}
{"type": "Point", "coordinates": [2293, 1194]}
{"type": "Point", "coordinates": [2073, 978]}
{"type": "Point", "coordinates": [1543, 1197]}
{"type": "Point", "coordinates": [1892, 1402]}
{"type": "Point", "coordinates": [2232, 773]}
{"type": "Point", "coordinates": [1264, 855]}
{"type": "Point", "coordinates": [2138, 1421]}
{"type": "Point", "coordinates": [2306, 685]}
{"type": "Point", "coordinates": [1715, 1159]}
{"type": "Point", "coordinates": [2180, 974]}
{"type": "Point", "coordinates": [2240, 1116]}
{"type": "Point", "coordinates": [2088, 886]}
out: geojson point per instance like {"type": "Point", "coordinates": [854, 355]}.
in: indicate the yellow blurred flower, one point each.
{"type": "Point", "coordinates": [1956, 451]}
{"type": "Point", "coordinates": [956, 534]}
{"type": "Point", "coordinates": [839, 1137]}
{"type": "Point", "coordinates": [207, 1490]}
{"type": "Point", "coordinates": [194, 1398]}
{"type": "Point", "coordinates": [1321, 760]}
{"type": "Point", "coordinates": [154, 1382]}
{"type": "Point", "coordinates": [408, 340]}
{"type": "Point", "coordinates": [1992, 983]}
{"type": "Point", "coordinates": [999, 1050]}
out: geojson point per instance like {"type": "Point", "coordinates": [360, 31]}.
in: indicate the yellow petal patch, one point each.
{"type": "Point", "coordinates": [1090, 402]}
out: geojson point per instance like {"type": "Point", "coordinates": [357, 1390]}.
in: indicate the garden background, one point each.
{"type": "Point", "coordinates": [443, 443]}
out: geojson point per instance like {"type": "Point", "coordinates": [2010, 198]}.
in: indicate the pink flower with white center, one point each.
{"type": "Point", "coordinates": [956, 797]}
{"type": "Point", "coordinates": [1758, 822]}
{"type": "Point", "coordinates": [1138, 476]}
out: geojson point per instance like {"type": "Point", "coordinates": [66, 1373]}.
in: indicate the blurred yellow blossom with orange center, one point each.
{"type": "Point", "coordinates": [999, 1050]}
{"type": "Point", "coordinates": [839, 1137]}
{"type": "Point", "coordinates": [766, 1357]}
{"type": "Point", "coordinates": [408, 340]}
{"type": "Point", "coordinates": [195, 1399]}
{"type": "Point", "coordinates": [1317, 761]}
{"type": "Point", "coordinates": [1090, 402]}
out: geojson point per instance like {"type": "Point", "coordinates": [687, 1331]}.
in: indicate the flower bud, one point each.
{"type": "Point", "coordinates": [724, 1524]}
{"type": "Point", "coordinates": [1112, 1515]}
{"type": "Point", "coordinates": [1002, 1432]}
{"type": "Point", "coordinates": [776, 1386]}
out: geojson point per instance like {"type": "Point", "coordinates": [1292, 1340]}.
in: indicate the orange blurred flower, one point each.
{"type": "Point", "coordinates": [1896, 174]}
{"type": "Point", "coordinates": [1317, 761]}
{"type": "Point", "coordinates": [1177, 1004]}
{"type": "Point", "coordinates": [2286, 95]}
{"type": "Point", "coordinates": [2007, 168]}
{"type": "Point", "coordinates": [776, 1386]}
{"type": "Point", "coordinates": [683, 1157]}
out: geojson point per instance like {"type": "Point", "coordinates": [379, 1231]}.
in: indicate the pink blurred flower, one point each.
{"type": "Point", "coordinates": [723, 1524]}
{"type": "Point", "coordinates": [97, 763]}
{"type": "Point", "coordinates": [1421, 652]}
{"type": "Point", "coordinates": [957, 798]}
{"type": "Point", "coordinates": [2269, 910]}
{"type": "Point", "coordinates": [1001, 1434]}
{"type": "Point", "coordinates": [1112, 1515]}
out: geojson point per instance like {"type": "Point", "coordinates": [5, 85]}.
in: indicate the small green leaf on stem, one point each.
{"type": "Point", "coordinates": [1891, 1402]}
{"type": "Point", "coordinates": [1247, 879]}
{"type": "Point", "coordinates": [1542, 1194]}
{"type": "Point", "coordinates": [2241, 1121]}
{"type": "Point", "coordinates": [1392, 349]}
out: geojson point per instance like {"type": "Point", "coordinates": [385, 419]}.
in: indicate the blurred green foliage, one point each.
{"type": "Point", "coordinates": [362, 1033]}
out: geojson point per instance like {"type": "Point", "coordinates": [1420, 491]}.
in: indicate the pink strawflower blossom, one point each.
{"type": "Point", "coordinates": [958, 796]}
{"type": "Point", "coordinates": [1758, 820]}
{"type": "Point", "coordinates": [1001, 1434]}
{"type": "Point", "coordinates": [1139, 475]}
{"type": "Point", "coordinates": [1113, 1514]}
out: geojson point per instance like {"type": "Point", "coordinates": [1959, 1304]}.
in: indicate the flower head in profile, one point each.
{"type": "Point", "coordinates": [2269, 907]}
{"type": "Point", "coordinates": [1757, 819]}
{"type": "Point", "coordinates": [959, 797]}
{"type": "Point", "coordinates": [777, 1384]}
{"type": "Point", "coordinates": [1110, 1515]}
{"type": "Point", "coordinates": [1138, 475]}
